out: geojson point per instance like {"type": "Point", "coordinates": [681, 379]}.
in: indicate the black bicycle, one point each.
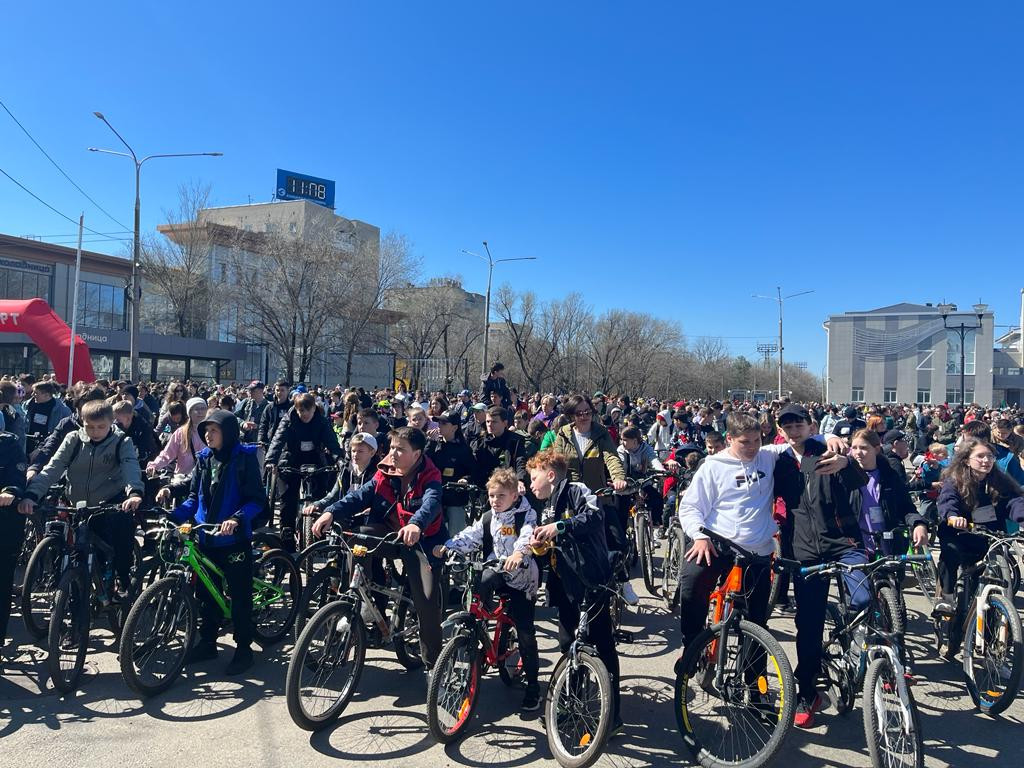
{"type": "Point", "coordinates": [307, 475]}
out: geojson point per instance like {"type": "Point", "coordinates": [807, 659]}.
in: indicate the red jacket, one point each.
{"type": "Point", "coordinates": [411, 508]}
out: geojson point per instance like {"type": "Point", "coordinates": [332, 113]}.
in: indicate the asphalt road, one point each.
{"type": "Point", "coordinates": [207, 719]}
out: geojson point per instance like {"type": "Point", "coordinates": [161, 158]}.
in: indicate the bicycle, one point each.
{"type": "Point", "coordinates": [982, 603]}
{"type": "Point", "coordinates": [640, 530]}
{"type": "Point", "coordinates": [734, 687]}
{"type": "Point", "coordinates": [307, 495]}
{"type": "Point", "coordinates": [454, 682]}
{"type": "Point", "coordinates": [161, 624]}
{"type": "Point", "coordinates": [334, 639]}
{"type": "Point", "coordinates": [865, 654]}
{"type": "Point", "coordinates": [672, 563]}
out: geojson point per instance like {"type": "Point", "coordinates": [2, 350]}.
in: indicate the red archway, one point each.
{"type": "Point", "coordinates": [34, 318]}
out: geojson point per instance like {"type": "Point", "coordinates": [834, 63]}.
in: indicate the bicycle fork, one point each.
{"type": "Point", "coordinates": [902, 689]}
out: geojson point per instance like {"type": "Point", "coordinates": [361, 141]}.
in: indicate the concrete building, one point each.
{"type": "Point", "coordinates": [907, 353]}
{"type": "Point", "coordinates": [33, 269]}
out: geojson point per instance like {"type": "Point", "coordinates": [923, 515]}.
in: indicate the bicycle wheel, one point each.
{"type": "Point", "coordinates": [645, 547]}
{"type": "Point", "coordinates": [157, 636]}
{"type": "Point", "coordinates": [452, 692]}
{"type": "Point", "coordinates": [578, 710]}
{"type": "Point", "coordinates": [1007, 570]}
{"type": "Point", "coordinates": [305, 533]}
{"type": "Point", "coordinates": [892, 726]}
{"type": "Point", "coordinates": [510, 664]}
{"type": "Point", "coordinates": [739, 715]}
{"type": "Point", "coordinates": [993, 673]}
{"type": "Point", "coordinates": [671, 566]}
{"type": "Point", "coordinates": [68, 635]}
{"type": "Point", "coordinates": [325, 666]}
{"type": "Point", "coordinates": [276, 596]}
{"type": "Point", "coordinates": [773, 594]}
{"type": "Point", "coordinates": [892, 619]}
{"type": "Point", "coordinates": [834, 653]}
{"type": "Point", "coordinates": [406, 639]}
{"type": "Point", "coordinates": [40, 585]}
{"type": "Point", "coordinates": [323, 588]}
{"type": "Point", "coordinates": [927, 576]}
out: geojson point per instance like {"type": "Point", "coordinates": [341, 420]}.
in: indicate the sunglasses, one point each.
{"type": "Point", "coordinates": [581, 414]}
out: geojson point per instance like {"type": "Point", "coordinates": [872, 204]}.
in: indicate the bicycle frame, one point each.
{"type": "Point", "coordinates": [475, 619]}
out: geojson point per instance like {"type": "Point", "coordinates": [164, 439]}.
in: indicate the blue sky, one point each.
{"type": "Point", "coordinates": [672, 157]}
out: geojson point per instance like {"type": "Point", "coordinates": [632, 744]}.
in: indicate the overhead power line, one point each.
{"type": "Point", "coordinates": [62, 171]}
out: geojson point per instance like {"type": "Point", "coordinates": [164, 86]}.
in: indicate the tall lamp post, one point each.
{"type": "Point", "coordinates": [961, 330]}
{"type": "Point", "coordinates": [487, 303]}
{"type": "Point", "coordinates": [781, 300]}
{"type": "Point", "coordinates": [136, 288]}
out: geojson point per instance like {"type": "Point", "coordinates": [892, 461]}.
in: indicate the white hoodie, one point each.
{"type": "Point", "coordinates": [734, 499]}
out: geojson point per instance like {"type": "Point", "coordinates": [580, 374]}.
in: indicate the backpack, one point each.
{"type": "Point", "coordinates": [488, 544]}
{"type": "Point", "coordinates": [78, 447]}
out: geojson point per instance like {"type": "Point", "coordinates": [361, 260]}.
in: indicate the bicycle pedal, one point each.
{"type": "Point", "coordinates": [623, 636]}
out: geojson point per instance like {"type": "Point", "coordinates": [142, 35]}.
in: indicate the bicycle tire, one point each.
{"type": "Point", "coordinates": [441, 697]}
{"type": "Point", "coordinates": [277, 568]}
{"type": "Point", "coordinates": [337, 622]}
{"type": "Point", "coordinates": [1007, 571]}
{"type": "Point", "coordinates": [69, 629]}
{"type": "Point", "coordinates": [927, 576]}
{"type": "Point", "coordinates": [776, 711]}
{"type": "Point", "coordinates": [43, 569]}
{"type": "Point", "coordinates": [773, 593]}
{"type": "Point", "coordinates": [318, 592]}
{"type": "Point", "coordinates": [305, 533]}
{"type": "Point", "coordinates": [407, 647]}
{"type": "Point", "coordinates": [170, 601]}
{"type": "Point", "coordinates": [645, 547]}
{"type": "Point", "coordinates": [510, 670]}
{"type": "Point", "coordinates": [671, 566]}
{"type": "Point", "coordinates": [589, 743]}
{"type": "Point", "coordinates": [892, 618]}
{"type": "Point", "coordinates": [986, 698]}
{"type": "Point", "coordinates": [833, 660]}
{"type": "Point", "coordinates": [880, 686]}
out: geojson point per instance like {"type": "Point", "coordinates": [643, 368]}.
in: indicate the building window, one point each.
{"type": "Point", "coordinates": [24, 284]}
{"type": "Point", "coordinates": [857, 395]}
{"type": "Point", "coordinates": [169, 368]}
{"type": "Point", "coordinates": [889, 395]}
{"type": "Point", "coordinates": [953, 396]}
{"type": "Point", "coordinates": [101, 306]}
{"type": "Point", "coordinates": [1013, 371]}
{"type": "Point", "coordinates": [953, 352]}
{"type": "Point", "coordinates": [924, 396]}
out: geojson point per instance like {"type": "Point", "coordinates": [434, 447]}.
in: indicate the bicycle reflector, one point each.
{"type": "Point", "coordinates": [185, 529]}
{"type": "Point", "coordinates": [359, 550]}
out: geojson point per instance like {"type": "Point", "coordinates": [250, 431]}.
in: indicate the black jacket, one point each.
{"type": "Point", "coordinates": [272, 416]}
{"type": "Point", "coordinates": [490, 453]}
{"type": "Point", "coordinates": [897, 506]}
{"type": "Point", "coordinates": [348, 479]}
{"type": "Point", "coordinates": [454, 461]}
{"type": "Point", "coordinates": [142, 437]}
{"type": "Point", "coordinates": [897, 465]}
{"type": "Point", "coordinates": [583, 548]}
{"type": "Point", "coordinates": [64, 427]}
{"type": "Point", "coordinates": [12, 466]}
{"type": "Point", "coordinates": [297, 442]}
{"type": "Point", "coordinates": [498, 385]}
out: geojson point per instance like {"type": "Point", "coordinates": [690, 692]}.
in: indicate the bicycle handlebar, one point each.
{"type": "Point", "coordinates": [883, 562]}
{"type": "Point", "coordinates": [468, 487]}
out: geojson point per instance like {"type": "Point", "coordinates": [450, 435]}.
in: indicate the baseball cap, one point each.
{"type": "Point", "coordinates": [256, 384]}
{"type": "Point", "coordinates": [894, 436]}
{"type": "Point", "coordinates": [850, 412]}
{"type": "Point", "coordinates": [367, 438]}
{"type": "Point", "coordinates": [599, 393]}
{"type": "Point", "coordinates": [399, 398]}
{"type": "Point", "coordinates": [445, 418]}
{"type": "Point", "coordinates": [479, 407]}
{"type": "Point", "coordinates": [794, 411]}
{"type": "Point", "coordinates": [465, 392]}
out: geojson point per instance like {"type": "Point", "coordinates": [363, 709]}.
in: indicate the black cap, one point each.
{"type": "Point", "coordinates": [850, 412]}
{"type": "Point", "coordinates": [445, 418]}
{"type": "Point", "coordinates": [680, 414]}
{"type": "Point", "coordinates": [794, 411]}
{"type": "Point", "coordinates": [894, 436]}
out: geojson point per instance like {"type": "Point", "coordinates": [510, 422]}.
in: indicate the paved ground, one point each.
{"type": "Point", "coordinates": [205, 720]}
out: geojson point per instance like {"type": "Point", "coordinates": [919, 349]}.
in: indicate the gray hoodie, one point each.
{"type": "Point", "coordinates": [100, 472]}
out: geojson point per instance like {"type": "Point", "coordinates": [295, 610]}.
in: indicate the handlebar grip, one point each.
{"type": "Point", "coordinates": [781, 564]}
{"type": "Point", "coordinates": [917, 558]}
{"type": "Point", "coordinates": [811, 569]}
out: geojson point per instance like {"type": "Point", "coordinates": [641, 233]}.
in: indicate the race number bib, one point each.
{"type": "Point", "coordinates": [306, 446]}
{"type": "Point", "coordinates": [875, 516]}
{"type": "Point", "coordinates": [39, 418]}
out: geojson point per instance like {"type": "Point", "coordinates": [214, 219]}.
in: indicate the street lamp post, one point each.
{"type": "Point", "coordinates": [781, 300]}
{"type": "Point", "coordinates": [487, 301]}
{"type": "Point", "coordinates": [961, 330]}
{"type": "Point", "coordinates": [136, 289]}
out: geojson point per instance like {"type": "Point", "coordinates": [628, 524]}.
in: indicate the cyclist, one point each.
{"type": "Point", "coordinates": [273, 414]}
{"type": "Point", "coordinates": [404, 496]}
{"type": "Point", "coordinates": [454, 459]}
{"type": "Point", "coordinates": [303, 437]}
{"type": "Point", "coordinates": [474, 428]}
{"type": "Point", "coordinates": [12, 525]}
{"type": "Point", "coordinates": [226, 489]}
{"type": "Point", "coordinates": [974, 491]}
{"type": "Point", "coordinates": [66, 425]}
{"type": "Point", "coordinates": [184, 444]}
{"type": "Point", "coordinates": [102, 469]}
{"type": "Point", "coordinates": [500, 447]}
{"type": "Point", "coordinates": [361, 466]}
{"type": "Point", "coordinates": [140, 432]}
{"type": "Point", "coordinates": [44, 412]}
{"type": "Point", "coordinates": [577, 519]}
{"type": "Point", "coordinates": [369, 422]}
{"type": "Point", "coordinates": [639, 459]}
{"type": "Point", "coordinates": [504, 533]}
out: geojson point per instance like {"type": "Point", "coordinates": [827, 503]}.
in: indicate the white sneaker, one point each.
{"type": "Point", "coordinates": [628, 594]}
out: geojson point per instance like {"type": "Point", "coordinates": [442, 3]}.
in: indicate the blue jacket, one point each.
{"type": "Point", "coordinates": [238, 493]}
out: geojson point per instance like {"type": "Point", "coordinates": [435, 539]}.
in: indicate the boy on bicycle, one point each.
{"type": "Point", "coordinates": [504, 533]}
{"type": "Point", "coordinates": [226, 490]}
{"type": "Point", "coordinates": [638, 460]}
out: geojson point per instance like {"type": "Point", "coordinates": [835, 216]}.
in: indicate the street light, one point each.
{"type": "Point", "coordinates": [136, 288]}
{"type": "Point", "coordinates": [780, 299]}
{"type": "Point", "coordinates": [979, 310]}
{"type": "Point", "coordinates": [487, 303]}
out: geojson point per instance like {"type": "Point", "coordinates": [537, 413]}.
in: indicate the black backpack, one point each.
{"type": "Point", "coordinates": [488, 545]}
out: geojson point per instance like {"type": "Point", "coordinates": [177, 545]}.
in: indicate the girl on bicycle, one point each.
{"type": "Point", "coordinates": [974, 491]}
{"type": "Point", "coordinates": [184, 444]}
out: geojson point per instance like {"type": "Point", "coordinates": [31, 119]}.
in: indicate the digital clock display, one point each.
{"type": "Point", "coordinates": [298, 186]}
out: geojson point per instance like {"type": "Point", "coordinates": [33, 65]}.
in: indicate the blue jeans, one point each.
{"type": "Point", "coordinates": [811, 599]}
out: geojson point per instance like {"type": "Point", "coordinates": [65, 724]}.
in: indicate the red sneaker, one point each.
{"type": "Point", "coordinates": [805, 711]}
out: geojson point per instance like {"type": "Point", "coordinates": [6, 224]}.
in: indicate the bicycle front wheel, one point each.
{"type": "Point", "coordinates": [645, 548]}
{"type": "Point", "coordinates": [68, 636]}
{"type": "Point", "coordinates": [927, 576]}
{"type": "Point", "coordinates": [671, 566]}
{"type": "Point", "coordinates": [406, 640]}
{"type": "Point", "coordinates": [452, 692]}
{"type": "Point", "coordinates": [325, 666]}
{"type": "Point", "coordinates": [993, 672]}
{"type": "Point", "coordinates": [737, 715]}
{"type": "Point", "coordinates": [891, 723]}
{"type": "Point", "coordinates": [157, 636]}
{"type": "Point", "coordinates": [578, 710]}
{"type": "Point", "coordinates": [40, 586]}
{"type": "Point", "coordinates": [276, 596]}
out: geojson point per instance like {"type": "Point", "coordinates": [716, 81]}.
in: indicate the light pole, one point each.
{"type": "Point", "coordinates": [781, 300]}
{"type": "Point", "coordinates": [136, 291]}
{"type": "Point", "coordinates": [946, 310]}
{"type": "Point", "coordinates": [487, 302]}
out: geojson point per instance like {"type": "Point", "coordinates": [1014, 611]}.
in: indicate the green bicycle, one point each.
{"type": "Point", "coordinates": [161, 624]}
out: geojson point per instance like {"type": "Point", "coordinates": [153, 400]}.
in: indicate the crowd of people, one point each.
{"type": "Point", "coordinates": [827, 476]}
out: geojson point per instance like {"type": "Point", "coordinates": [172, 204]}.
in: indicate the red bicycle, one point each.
{"type": "Point", "coordinates": [455, 679]}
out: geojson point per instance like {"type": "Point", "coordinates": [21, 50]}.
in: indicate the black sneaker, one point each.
{"type": "Point", "coordinates": [240, 662]}
{"type": "Point", "coordinates": [531, 702]}
{"type": "Point", "coordinates": [201, 651]}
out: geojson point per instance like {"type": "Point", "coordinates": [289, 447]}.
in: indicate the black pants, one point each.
{"type": "Point", "coordinates": [290, 497]}
{"type": "Point", "coordinates": [424, 584]}
{"type": "Point", "coordinates": [697, 581]}
{"type": "Point", "coordinates": [615, 535]}
{"type": "Point", "coordinates": [236, 563]}
{"type": "Point", "coordinates": [600, 634]}
{"type": "Point", "coordinates": [958, 549]}
{"type": "Point", "coordinates": [786, 539]}
{"type": "Point", "coordinates": [12, 532]}
{"type": "Point", "coordinates": [521, 609]}
{"type": "Point", "coordinates": [117, 530]}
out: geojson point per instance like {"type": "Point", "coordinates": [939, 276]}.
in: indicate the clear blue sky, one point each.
{"type": "Point", "coordinates": [673, 157]}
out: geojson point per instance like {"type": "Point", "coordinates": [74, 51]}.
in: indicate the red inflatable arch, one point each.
{"type": "Point", "coordinates": [34, 318]}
